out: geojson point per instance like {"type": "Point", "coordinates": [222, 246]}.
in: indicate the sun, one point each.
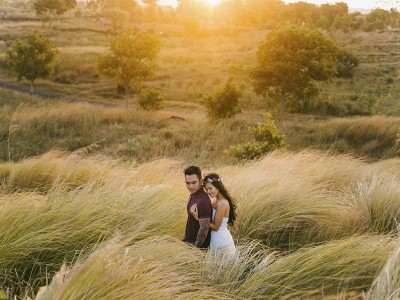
{"type": "Point", "coordinates": [213, 2]}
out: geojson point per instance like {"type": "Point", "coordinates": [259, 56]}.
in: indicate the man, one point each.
{"type": "Point", "coordinates": [197, 232]}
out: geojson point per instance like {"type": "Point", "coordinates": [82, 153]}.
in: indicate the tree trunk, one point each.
{"type": "Point", "coordinates": [31, 88]}
{"type": "Point", "coordinates": [282, 108]}
{"type": "Point", "coordinates": [126, 97]}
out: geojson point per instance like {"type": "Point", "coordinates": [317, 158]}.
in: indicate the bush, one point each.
{"type": "Point", "coordinates": [151, 99]}
{"type": "Point", "coordinates": [345, 64]}
{"type": "Point", "coordinates": [267, 138]}
{"type": "Point", "coordinates": [224, 103]}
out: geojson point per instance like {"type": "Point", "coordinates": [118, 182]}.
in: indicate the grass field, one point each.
{"type": "Point", "coordinates": [309, 225]}
{"type": "Point", "coordinates": [92, 198]}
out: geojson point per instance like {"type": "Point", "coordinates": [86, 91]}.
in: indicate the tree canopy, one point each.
{"type": "Point", "coordinates": [31, 59]}
{"type": "Point", "coordinates": [131, 60]}
{"type": "Point", "coordinates": [289, 63]}
{"type": "Point", "coordinates": [50, 10]}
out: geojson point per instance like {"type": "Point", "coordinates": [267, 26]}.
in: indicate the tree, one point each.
{"type": "Point", "coordinates": [378, 19]}
{"type": "Point", "coordinates": [289, 63]}
{"type": "Point", "coordinates": [345, 64]}
{"type": "Point", "coordinates": [224, 103]}
{"type": "Point", "coordinates": [131, 60]}
{"type": "Point", "coordinates": [268, 11]}
{"type": "Point", "coordinates": [31, 59]}
{"type": "Point", "coordinates": [50, 10]}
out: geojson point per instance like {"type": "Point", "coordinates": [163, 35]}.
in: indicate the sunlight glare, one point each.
{"type": "Point", "coordinates": [213, 2]}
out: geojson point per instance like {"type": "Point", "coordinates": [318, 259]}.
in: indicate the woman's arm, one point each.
{"type": "Point", "coordinates": [219, 215]}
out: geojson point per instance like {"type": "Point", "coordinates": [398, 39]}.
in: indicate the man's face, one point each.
{"type": "Point", "coordinates": [192, 183]}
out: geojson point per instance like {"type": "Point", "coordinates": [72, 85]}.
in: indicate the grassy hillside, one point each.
{"type": "Point", "coordinates": [30, 126]}
{"type": "Point", "coordinates": [191, 66]}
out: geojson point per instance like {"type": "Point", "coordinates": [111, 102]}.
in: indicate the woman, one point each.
{"type": "Point", "coordinates": [223, 214]}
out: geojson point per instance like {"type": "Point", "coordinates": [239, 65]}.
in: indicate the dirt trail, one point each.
{"type": "Point", "coordinates": [53, 96]}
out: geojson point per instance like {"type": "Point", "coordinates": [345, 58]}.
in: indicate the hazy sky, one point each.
{"type": "Point", "coordinates": [352, 3]}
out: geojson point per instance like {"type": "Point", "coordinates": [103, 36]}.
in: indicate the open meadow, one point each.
{"type": "Point", "coordinates": [93, 197]}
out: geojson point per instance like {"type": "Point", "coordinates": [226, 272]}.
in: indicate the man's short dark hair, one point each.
{"type": "Point", "coordinates": [193, 170]}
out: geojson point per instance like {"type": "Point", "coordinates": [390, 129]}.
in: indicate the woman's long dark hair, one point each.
{"type": "Point", "coordinates": [216, 181]}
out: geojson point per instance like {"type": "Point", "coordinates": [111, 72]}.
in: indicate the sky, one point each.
{"type": "Point", "coordinates": [368, 4]}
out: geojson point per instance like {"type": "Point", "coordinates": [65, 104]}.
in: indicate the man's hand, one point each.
{"type": "Point", "coordinates": [194, 212]}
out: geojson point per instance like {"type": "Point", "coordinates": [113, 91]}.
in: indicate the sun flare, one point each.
{"type": "Point", "coordinates": [213, 2]}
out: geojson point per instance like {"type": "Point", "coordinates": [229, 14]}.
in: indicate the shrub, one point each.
{"type": "Point", "coordinates": [267, 138]}
{"type": "Point", "coordinates": [345, 64]}
{"type": "Point", "coordinates": [224, 103]}
{"type": "Point", "coordinates": [151, 99]}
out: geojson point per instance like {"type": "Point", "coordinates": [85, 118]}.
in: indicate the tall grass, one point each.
{"type": "Point", "coordinates": [296, 199]}
{"type": "Point", "coordinates": [387, 284]}
{"type": "Point", "coordinates": [305, 220]}
{"type": "Point", "coordinates": [343, 265]}
{"type": "Point", "coordinates": [363, 136]}
{"type": "Point", "coordinates": [151, 269]}
{"type": "Point", "coordinates": [38, 233]}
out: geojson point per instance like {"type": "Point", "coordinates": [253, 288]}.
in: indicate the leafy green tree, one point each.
{"type": "Point", "coordinates": [131, 60]}
{"type": "Point", "coordinates": [31, 59]}
{"type": "Point", "coordinates": [289, 63]}
{"type": "Point", "coordinates": [50, 10]}
{"type": "Point", "coordinates": [224, 102]}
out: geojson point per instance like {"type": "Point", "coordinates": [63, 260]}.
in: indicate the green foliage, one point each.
{"type": "Point", "coordinates": [380, 19]}
{"type": "Point", "coordinates": [345, 64]}
{"type": "Point", "coordinates": [353, 105]}
{"type": "Point", "coordinates": [31, 59]}
{"type": "Point", "coordinates": [224, 102]}
{"type": "Point", "coordinates": [267, 138]}
{"type": "Point", "coordinates": [151, 99]}
{"type": "Point", "coordinates": [49, 10]}
{"type": "Point", "coordinates": [131, 59]}
{"type": "Point", "coordinates": [289, 63]}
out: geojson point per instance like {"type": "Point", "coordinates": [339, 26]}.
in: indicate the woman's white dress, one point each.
{"type": "Point", "coordinates": [222, 239]}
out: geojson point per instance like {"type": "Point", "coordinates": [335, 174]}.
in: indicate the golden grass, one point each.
{"type": "Point", "coordinates": [387, 284]}
{"type": "Point", "coordinates": [154, 268]}
{"type": "Point", "coordinates": [307, 225]}
{"type": "Point", "coordinates": [349, 264]}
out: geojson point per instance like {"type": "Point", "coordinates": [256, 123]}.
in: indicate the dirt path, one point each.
{"type": "Point", "coordinates": [53, 96]}
{"type": "Point", "coordinates": [182, 114]}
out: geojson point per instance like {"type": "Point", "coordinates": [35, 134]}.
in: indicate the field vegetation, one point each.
{"type": "Point", "coordinates": [309, 225]}
{"type": "Point", "coordinates": [92, 196]}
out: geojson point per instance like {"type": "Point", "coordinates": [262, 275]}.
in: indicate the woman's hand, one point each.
{"type": "Point", "coordinates": [194, 212]}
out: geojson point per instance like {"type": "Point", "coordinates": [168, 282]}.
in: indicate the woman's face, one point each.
{"type": "Point", "coordinates": [211, 190]}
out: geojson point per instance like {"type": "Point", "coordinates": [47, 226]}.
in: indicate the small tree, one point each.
{"type": "Point", "coordinates": [50, 10]}
{"type": "Point", "coordinates": [151, 99]}
{"type": "Point", "coordinates": [267, 138]}
{"type": "Point", "coordinates": [31, 59]}
{"type": "Point", "coordinates": [289, 63]}
{"type": "Point", "coordinates": [131, 60]}
{"type": "Point", "coordinates": [345, 64]}
{"type": "Point", "coordinates": [224, 102]}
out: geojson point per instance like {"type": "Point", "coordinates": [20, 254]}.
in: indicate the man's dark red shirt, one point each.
{"type": "Point", "coordinates": [204, 208]}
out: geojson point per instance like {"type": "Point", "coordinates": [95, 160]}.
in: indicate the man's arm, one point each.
{"type": "Point", "coordinates": [203, 231]}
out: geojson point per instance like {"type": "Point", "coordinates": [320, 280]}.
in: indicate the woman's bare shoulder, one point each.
{"type": "Point", "coordinates": [223, 203]}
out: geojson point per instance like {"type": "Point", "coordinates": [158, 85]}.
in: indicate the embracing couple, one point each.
{"type": "Point", "coordinates": [206, 226]}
